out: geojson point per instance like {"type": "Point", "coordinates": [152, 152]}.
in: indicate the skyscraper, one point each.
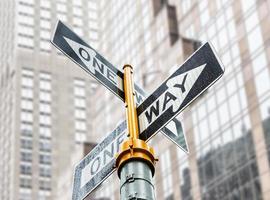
{"type": "Point", "coordinates": [44, 109]}
{"type": "Point", "coordinates": [227, 129]}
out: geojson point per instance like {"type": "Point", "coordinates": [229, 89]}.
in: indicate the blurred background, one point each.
{"type": "Point", "coordinates": [52, 113]}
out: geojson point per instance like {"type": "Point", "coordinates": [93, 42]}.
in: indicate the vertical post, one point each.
{"type": "Point", "coordinates": [136, 160]}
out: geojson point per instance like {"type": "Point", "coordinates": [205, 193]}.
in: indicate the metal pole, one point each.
{"type": "Point", "coordinates": [136, 159]}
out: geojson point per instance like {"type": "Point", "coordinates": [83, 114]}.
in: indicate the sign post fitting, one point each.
{"type": "Point", "coordinates": [136, 160]}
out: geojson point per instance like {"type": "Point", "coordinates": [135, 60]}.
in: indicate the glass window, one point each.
{"type": "Point", "coordinates": [262, 82]}
{"type": "Point", "coordinates": [26, 144]}
{"type": "Point", "coordinates": [259, 63]}
{"type": "Point", "coordinates": [45, 96]}
{"type": "Point", "coordinates": [44, 159]}
{"type": "Point", "coordinates": [80, 125]}
{"type": "Point", "coordinates": [44, 85]}
{"type": "Point", "coordinates": [45, 132]}
{"type": "Point", "coordinates": [26, 116]}
{"type": "Point", "coordinates": [79, 82]}
{"type": "Point", "coordinates": [45, 171]}
{"type": "Point", "coordinates": [45, 24]}
{"type": "Point", "coordinates": [251, 21]}
{"type": "Point", "coordinates": [26, 156]}
{"type": "Point", "coordinates": [45, 120]}
{"type": "Point", "coordinates": [80, 103]}
{"type": "Point", "coordinates": [80, 114]}
{"type": "Point", "coordinates": [27, 82]}
{"type": "Point", "coordinates": [167, 173]}
{"type": "Point", "coordinates": [45, 146]}
{"type": "Point", "coordinates": [26, 104]}
{"type": "Point", "coordinates": [255, 40]}
{"type": "Point", "coordinates": [45, 3]}
{"type": "Point", "coordinates": [80, 92]}
{"type": "Point", "coordinates": [44, 185]}
{"type": "Point", "coordinates": [25, 169]}
{"type": "Point", "coordinates": [45, 108]}
{"type": "Point", "coordinates": [45, 14]}
{"type": "Point", "coordinates": [61, 7]}
{"type": "Point", "coordinates": [25, 182]}
{"type": "Point", "coordinates": [78, 11]}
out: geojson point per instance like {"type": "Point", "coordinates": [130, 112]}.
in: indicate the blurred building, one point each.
{"type": "Point", "coordinates": [45, 106]}
{"type": "Point", "coordinates": [44, 109]}
{"type": "Point", "coordinates": [228, 128]}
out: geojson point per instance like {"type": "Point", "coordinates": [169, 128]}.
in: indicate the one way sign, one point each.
{"type": "Point", "coordinates": [197, 74]}
{"type": "Point", "coordinates": [103, 71]}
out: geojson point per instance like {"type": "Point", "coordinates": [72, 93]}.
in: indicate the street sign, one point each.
{"type": "Point", "coordinates": [97, 66]}
{"type": "Point", "coordinates": [191, 79]}
{"type": "Point", "coordinates": [99, 164]}
{"type": "Point", "coordinates": [88, 59]}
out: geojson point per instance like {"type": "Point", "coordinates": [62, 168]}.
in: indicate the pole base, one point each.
{"type": "Point", "coordinates": [136, 181]}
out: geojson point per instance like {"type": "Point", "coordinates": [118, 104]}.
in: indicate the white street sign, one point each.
{"type": "Point", "coordinates": [197, 74]}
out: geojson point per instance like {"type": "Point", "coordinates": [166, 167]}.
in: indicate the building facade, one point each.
{"type": "Point", "coordinates": [227, 129]}
{"type": "Point", "coordinates": [44, 109]}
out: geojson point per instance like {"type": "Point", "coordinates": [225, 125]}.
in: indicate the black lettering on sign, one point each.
{"type": "Point", "coordinates": [108, 153]}
{"type": "Point", "coordinates": [95, 166]}
{"type": "Point", "coordinates": [84, 54]}
{"type": "Point", "coordinates": [111, 76]}
{"type": "Point", "coordinates": [100, 66]}
{"type": "Point", "coordinates": [167, 98]}
{"type": "Point", "coordinates": [182, 85]}
{"type": "Point", "coordinates": [154, 110]}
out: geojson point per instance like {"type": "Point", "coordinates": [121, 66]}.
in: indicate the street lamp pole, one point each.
{"type": "Point", "coordinates": [136, 160]}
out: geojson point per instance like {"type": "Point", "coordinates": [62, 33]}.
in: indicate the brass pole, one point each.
{"type": "Point", "coordinates": [135, 161]}
{"type": "Point", "coordinates": [131, 111]}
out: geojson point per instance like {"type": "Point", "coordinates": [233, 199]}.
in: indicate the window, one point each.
{"type": "Point", "coordinates": [26, 116]}
{"type": "Point", "coordinates": [45, 108]}
{"type": "Point", "coordinates": [79, 82]}
{"type": "Point", "coordinates": [45, 96]}
{"type": "Point", "coordinates": [25, 169]}
{"type": "Point", "coordinates": [27, 82]}
{"type": "Point", "coordinates": [80, 114]}
{"type": "Point", "coordinates": [45, 3]}
{"type": "Point", "coordinates": [45, 120]}
{"type": "Point", "coordinates": [26, 129]}
{"type": "Point", "coordinates": [26, 104]}
{"type": "Point", "coordinates": [255, 40]}
{"type": "Point", "coordinates": [80, 92]}
{"type": "Point", "coordinates": [27, 93]}
{"type": "Point", "coordinates": [25, 182]}
{"type": "Point", "coordinates": [45, 185]}
{"type": "Point", "coordinates": [27, 72]}
{"type": "Point", "coordinates": [45, 14]}
{"type": "Point", "coordinates": [77, 11]}
{"type": "Point", "coordinates": [26, 156]}
{"type": "Point", "coordinates": [80, 125]}
{"type": "Point", "coordinates": [45, 24]}
{"type": "Point", "coordinates": [26, 144]}
{"type": "Point", "coordinates": [80, 103]}
{"type": "Point", "coordinates": [61, 8]}
{"type": "Point", "coordinates": [26, 20]}
{"type": "Point", "coordinates": [77, 21]}
{"type": "Point", "coordinates": [45, 171]}
{"type": "Point", "coordinates": [45, 132]}
{"type": "Point", "coordinates": [45, 146]}
{"type": "Point", "coordinates": [167, 173]}
{"type": "Point", "coordinates": [45, 159]}
{"type": "Point", "coordinates": [44, 85]}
